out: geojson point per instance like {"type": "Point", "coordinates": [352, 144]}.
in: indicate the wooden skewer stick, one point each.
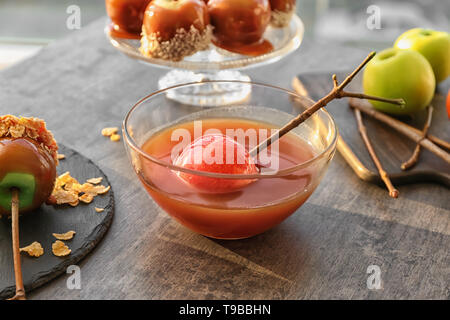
{"type": "Point", "coordinates": [412, 161]}
{"type": "Point", "coordinates": [383, 174]}
{"type": "Point", "coordinates": [20, 290]}
{"type": "Point", "coordinates": [336, 93]}
{"type": "Point", "coordinates": [401, 127]}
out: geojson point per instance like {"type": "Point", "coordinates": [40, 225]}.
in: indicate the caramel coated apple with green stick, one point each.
{"type": "Point", "coordinates": [28, 159]}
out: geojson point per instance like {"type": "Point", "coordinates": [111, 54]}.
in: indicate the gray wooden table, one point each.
{"type": "Point", "coordinates": [80, 84]}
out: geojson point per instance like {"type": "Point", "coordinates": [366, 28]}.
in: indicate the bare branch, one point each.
{"type": "Point", "coordinates": [411, 162]}
{"type": "Point", "coordinates": [393, 192]}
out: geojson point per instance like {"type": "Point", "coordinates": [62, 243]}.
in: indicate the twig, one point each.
{"type": "Point", "coordinates": [365, 96]}
{"type": "Point", "coordinates": [20, 291]}
{"type": "Point", "coordinates": [438, 141]}
{"type": "Point", "coordinates": [379, 116]}
{"type": "Point", "coordinates": [336, 93]}
{"type": "Point", "coordinates": [335, 81]}
{"type": "Point", "coordinates": [408, 131]}
{"type": "Point", "coordinates": [411, 162]}
{"type": "Point", "coordinates": [384, 176]}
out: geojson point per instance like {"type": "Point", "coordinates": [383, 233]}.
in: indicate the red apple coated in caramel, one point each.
{"type": "Point", "coordinates": [127, 15]}
{"type": "Point", "coordinates": [201, 155]}
{"type": "Point", "coordinates": [165, 17]}
{"type": "Point", "coordinates": [239, 21]}
{"type": "Point", "coordinates": [23, 156]}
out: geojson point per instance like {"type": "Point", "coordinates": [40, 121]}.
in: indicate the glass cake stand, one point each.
{"type": "Point", "coordinates": [215, 64]}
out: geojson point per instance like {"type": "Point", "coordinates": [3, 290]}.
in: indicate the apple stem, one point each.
{"type": "Point", "coordinates": [393, 192]}
{"type": "Point", "coordinates": [20, 290]}
{"type": "Point", "coordinates": [336, 93]}
{"type": "Point", "coordinates": [411, 162]}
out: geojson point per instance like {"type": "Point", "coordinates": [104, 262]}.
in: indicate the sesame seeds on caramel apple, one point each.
{"type": "Point", "coordinates": [174, 29]}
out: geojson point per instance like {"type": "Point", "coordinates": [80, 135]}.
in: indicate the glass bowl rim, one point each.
{"type": "Point", "coordinates": [278, 173]}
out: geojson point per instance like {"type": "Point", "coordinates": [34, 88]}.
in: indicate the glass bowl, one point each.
{"type": "Point", "coordinates": [293, 167]}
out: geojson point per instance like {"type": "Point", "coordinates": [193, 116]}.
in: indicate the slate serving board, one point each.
{"type": "Point", "coordinates": [391, 147]}
{"type": "Point", "coordinates": [89, 225]}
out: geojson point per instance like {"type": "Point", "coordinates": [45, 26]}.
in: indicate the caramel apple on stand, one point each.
{"type": "Point", "coordinates": [126, 17]}
{"type": "Point", "coordinates": [239, 25]}
{"type": "Point", "coordinates": [223, 28]}
{"type": "Point", "coordinates": [282, 11]}
{"type": "Point", "coordinates": [28, 159]}
{"type": "Point", "coordinates": [174, 29]}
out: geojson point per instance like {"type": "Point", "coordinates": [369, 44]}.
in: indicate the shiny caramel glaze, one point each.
{"type": "Point", "coordinates": [254, 49]}
{"type": "Point", "coordinates": [23, 155]}
{"type": "Point", "coordinates": [126, 16]}
{"type": "Point", "coordinates": [166, 17]}
{"type": "Point", "coordinates": [116, 33]}
{"type": "Point", "coordinates": [240, 24]}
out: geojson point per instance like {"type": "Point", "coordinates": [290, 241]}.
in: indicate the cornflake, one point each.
{"type": "Point", "coordinates": [99, 209]}
{"type": "Point", "coordinates": [33, 128]}
{"type": "Point", "coordinates": [86, 198]}
{"type": "Point", "coordinates": [62, 196]}
{"type": "Point", "coordinates": [115, 137]}
{"type": "Point", "coordinates": [34, 250]}
{"type": "Point", "coordinates": [94, 180]}
{"type": "Point", "coordinates": [60, 156]}
{"type": "Point", "coordinates": [17, 131]}
{"type": "Point", "coordinates": [102, 189]}
{"type": "Point", "coordinates": [108, 132]}
{"type": "Point", "coordinates": [68, 190]}
{"type": "Point", "coordinates": [75, 203]}
{"type": "Point", "coordinates": [65, 180]}
{"type": "Point", "coordinates": [60, 249]}
{"type": "Point", "coordinates": [64, 236]}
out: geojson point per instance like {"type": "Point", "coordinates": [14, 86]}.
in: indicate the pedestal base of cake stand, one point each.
{"type": "Point", "coordinates": [212, 95]}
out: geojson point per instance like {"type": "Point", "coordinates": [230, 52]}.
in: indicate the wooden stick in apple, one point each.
{"type": "Point", "coordinates": [20, 290]}
{"type": "Point", "coordinates": [28, 159]}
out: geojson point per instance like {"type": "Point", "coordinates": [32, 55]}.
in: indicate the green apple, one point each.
{"type": "Point", "coordinates": [395, 73]}
{"type": "Point", "coordinates": [433, 45]}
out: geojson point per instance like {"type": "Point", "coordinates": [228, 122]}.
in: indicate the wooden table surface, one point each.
{"type": "Point", "coordinates": [80, 84]}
